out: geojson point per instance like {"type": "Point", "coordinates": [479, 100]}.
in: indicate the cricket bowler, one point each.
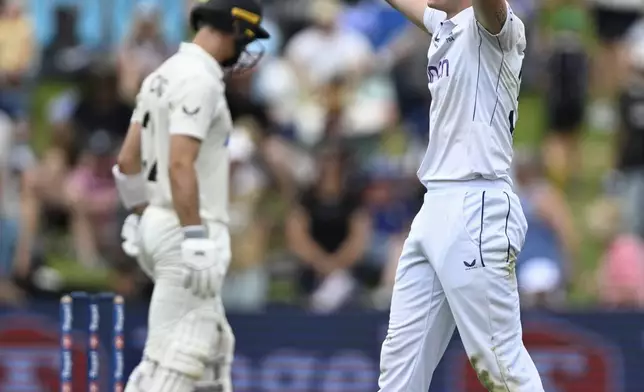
{"type": "Point", "coordinates": [173, 174]}
{"type": "Point", "coordinates": [457, 264]}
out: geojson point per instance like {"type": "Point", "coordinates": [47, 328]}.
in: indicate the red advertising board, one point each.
{"type": "Point", "coordinates": [30, 355]}
{"type": "Point", "coordinates": [568, 360]}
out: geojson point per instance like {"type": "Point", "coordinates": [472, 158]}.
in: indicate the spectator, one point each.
{"type": "Point", "coordinates": [77, 116]}
{"type": "Point", "coordinates": [328, 231]}
{"type": "Point", "coordinates": [620, 276]}
{"type": "Point", "coordinates": [551, 244]}
{"type": "Point", "coordinates": [631, 145]}
{"type": "Point", "coordinates": [389, 207]}
{"type": "Point", "coordinates": [93, 201]}
{"type": "Point", "coordinates": [65, 55]}
{"type": "Point", "coordinates": [16, 211]}
{"type": "Point", "coordinates": [100, 107]}
{"type": "Point", "coordinates": [567, 73]}
{"type": "Point", "coordinates": [16, 58]}
{"type": "Point", "coordinates": [613, 19]}
{"type": "Point", "coordinates": [143, 50]}
{"type": "Point", "coordinates": [323, 52]}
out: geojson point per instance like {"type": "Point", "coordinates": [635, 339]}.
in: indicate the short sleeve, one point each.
{"type": "Point", "coordinates": [193, 106]}
{"type": "Point", "coordinates": [139, 111]}
{"type": "Point", "coordinates": [432, 19]}
{"type": "Point", "coordinates": [512, 33]}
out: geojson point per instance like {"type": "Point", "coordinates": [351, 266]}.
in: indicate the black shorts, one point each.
{"type": "Point", "coordinates": [612, 25]}
{"type": "Point", "coordinates": [567, 91]}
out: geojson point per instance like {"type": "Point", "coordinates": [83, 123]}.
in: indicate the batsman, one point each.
{"type": "Point", "coordinates": [172, 173]}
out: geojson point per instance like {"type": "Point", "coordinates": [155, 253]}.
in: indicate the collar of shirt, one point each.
{"type": "Point", "coordinates": [459, 18]}
{"type": "Point", "coordinates": [207, 59]}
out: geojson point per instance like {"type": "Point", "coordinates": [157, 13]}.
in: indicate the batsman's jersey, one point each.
{"type": "Point", "coordinates": [474, 80]}
{"type": "Point", "coordinates": [185, 96]}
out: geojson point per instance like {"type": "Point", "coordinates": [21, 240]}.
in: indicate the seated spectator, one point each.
{"type": "Point", "coordinates": [551, 242]}
{"type": "Point", "coordinates": [323, 51]}
{"type": "Point", "coordinates": [142, 52]}
{"type": "Point", "coordinates": [75, 116]}
{"type": "Point", "coordinates": [93, 202]}
{"type": "Point", "coordinates": [100, 106]}
{"type": "Point", "coordinates": [620, 277]}
{"type": "Point", "coordinates": [328, 231]}
{"type": "Point", "coordinates": [16, 57]}
{"type": "Point", "coordinates": [389, 207]}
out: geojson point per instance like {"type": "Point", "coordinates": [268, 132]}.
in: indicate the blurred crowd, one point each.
{"type": "Point", "coordinates": [329, 131]}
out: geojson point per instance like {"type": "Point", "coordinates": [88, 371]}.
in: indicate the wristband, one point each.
{"type": "Point", "coordinates": [131, 188]}
{"type": "Point", "coordinates": [197, 231]}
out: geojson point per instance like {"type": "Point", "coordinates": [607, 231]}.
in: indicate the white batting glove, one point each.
{"type": "Point", "coordinates": [130, 235]}
{"type": "Point", "coordinates": [203, 261]}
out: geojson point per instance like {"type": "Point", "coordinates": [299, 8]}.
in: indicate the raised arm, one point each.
{"type": "Point", "coordinates": [414, 10]}
{"type": "Point", "coordinates": [491, 14]}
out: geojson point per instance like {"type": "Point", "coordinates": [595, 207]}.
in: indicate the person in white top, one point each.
{"type": "Point", "coordinates": [457, 263]}
{"type": "Point", "coordinates": [173, 173]}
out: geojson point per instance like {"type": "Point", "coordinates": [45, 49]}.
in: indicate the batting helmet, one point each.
{"type": "Point", "coordinates": [226, 14]}
{"type": "Point", "coordinates": [241, 18]}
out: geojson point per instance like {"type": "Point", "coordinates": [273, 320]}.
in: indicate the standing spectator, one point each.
{"type": "Point", "coordinates": [65, 55]}
{"type": "Point", "coordinates": [143, 50]}
{"type": "Point", "coordinates": [613, 19]}
{"type": "Point", "coordinates": [567, 73]}
{"type": "Point", "coordinates": [631, 144]}
{"type": "Point", "coordinates": [16, 57]}
{"type": "Point", "coordinates": [551, 243]}
{"type": "Point", "coordinates": [328, 231]}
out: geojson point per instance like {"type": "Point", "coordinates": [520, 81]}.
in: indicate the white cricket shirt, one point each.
{"type": "Point", "coordinates": [185, 96]}
{"type": "Point", "coordinates": [474, 80]}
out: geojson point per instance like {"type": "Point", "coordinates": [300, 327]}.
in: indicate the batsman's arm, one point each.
{"type": "Point", "coordinates": [194, 105]}
{"type": "Point", "coordinates": [414, 10]}
{"type": "Point", "coordinates": [128, 171]}
{"type": "Point", "coordinates": [183, 178]}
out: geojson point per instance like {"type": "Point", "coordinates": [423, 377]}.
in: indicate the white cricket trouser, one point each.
{"type": "Point", "coordinates": [457, 270]}
{"type": "Point", "coordinates": [186, 334]}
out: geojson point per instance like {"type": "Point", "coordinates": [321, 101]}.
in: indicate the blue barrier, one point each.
{"type": "Point", "coordinates": [291, 351]}
{"type": "Point", "coordinates": [96, 17]}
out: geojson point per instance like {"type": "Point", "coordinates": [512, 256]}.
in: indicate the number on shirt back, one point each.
{"type": "Point", "coordinates": [152, 173]}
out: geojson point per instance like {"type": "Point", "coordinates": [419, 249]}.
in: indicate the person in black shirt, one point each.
{"type": "Point", "coordinates": [328, 231]}
{"type": "Point", "coordinates": [631, 147]}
